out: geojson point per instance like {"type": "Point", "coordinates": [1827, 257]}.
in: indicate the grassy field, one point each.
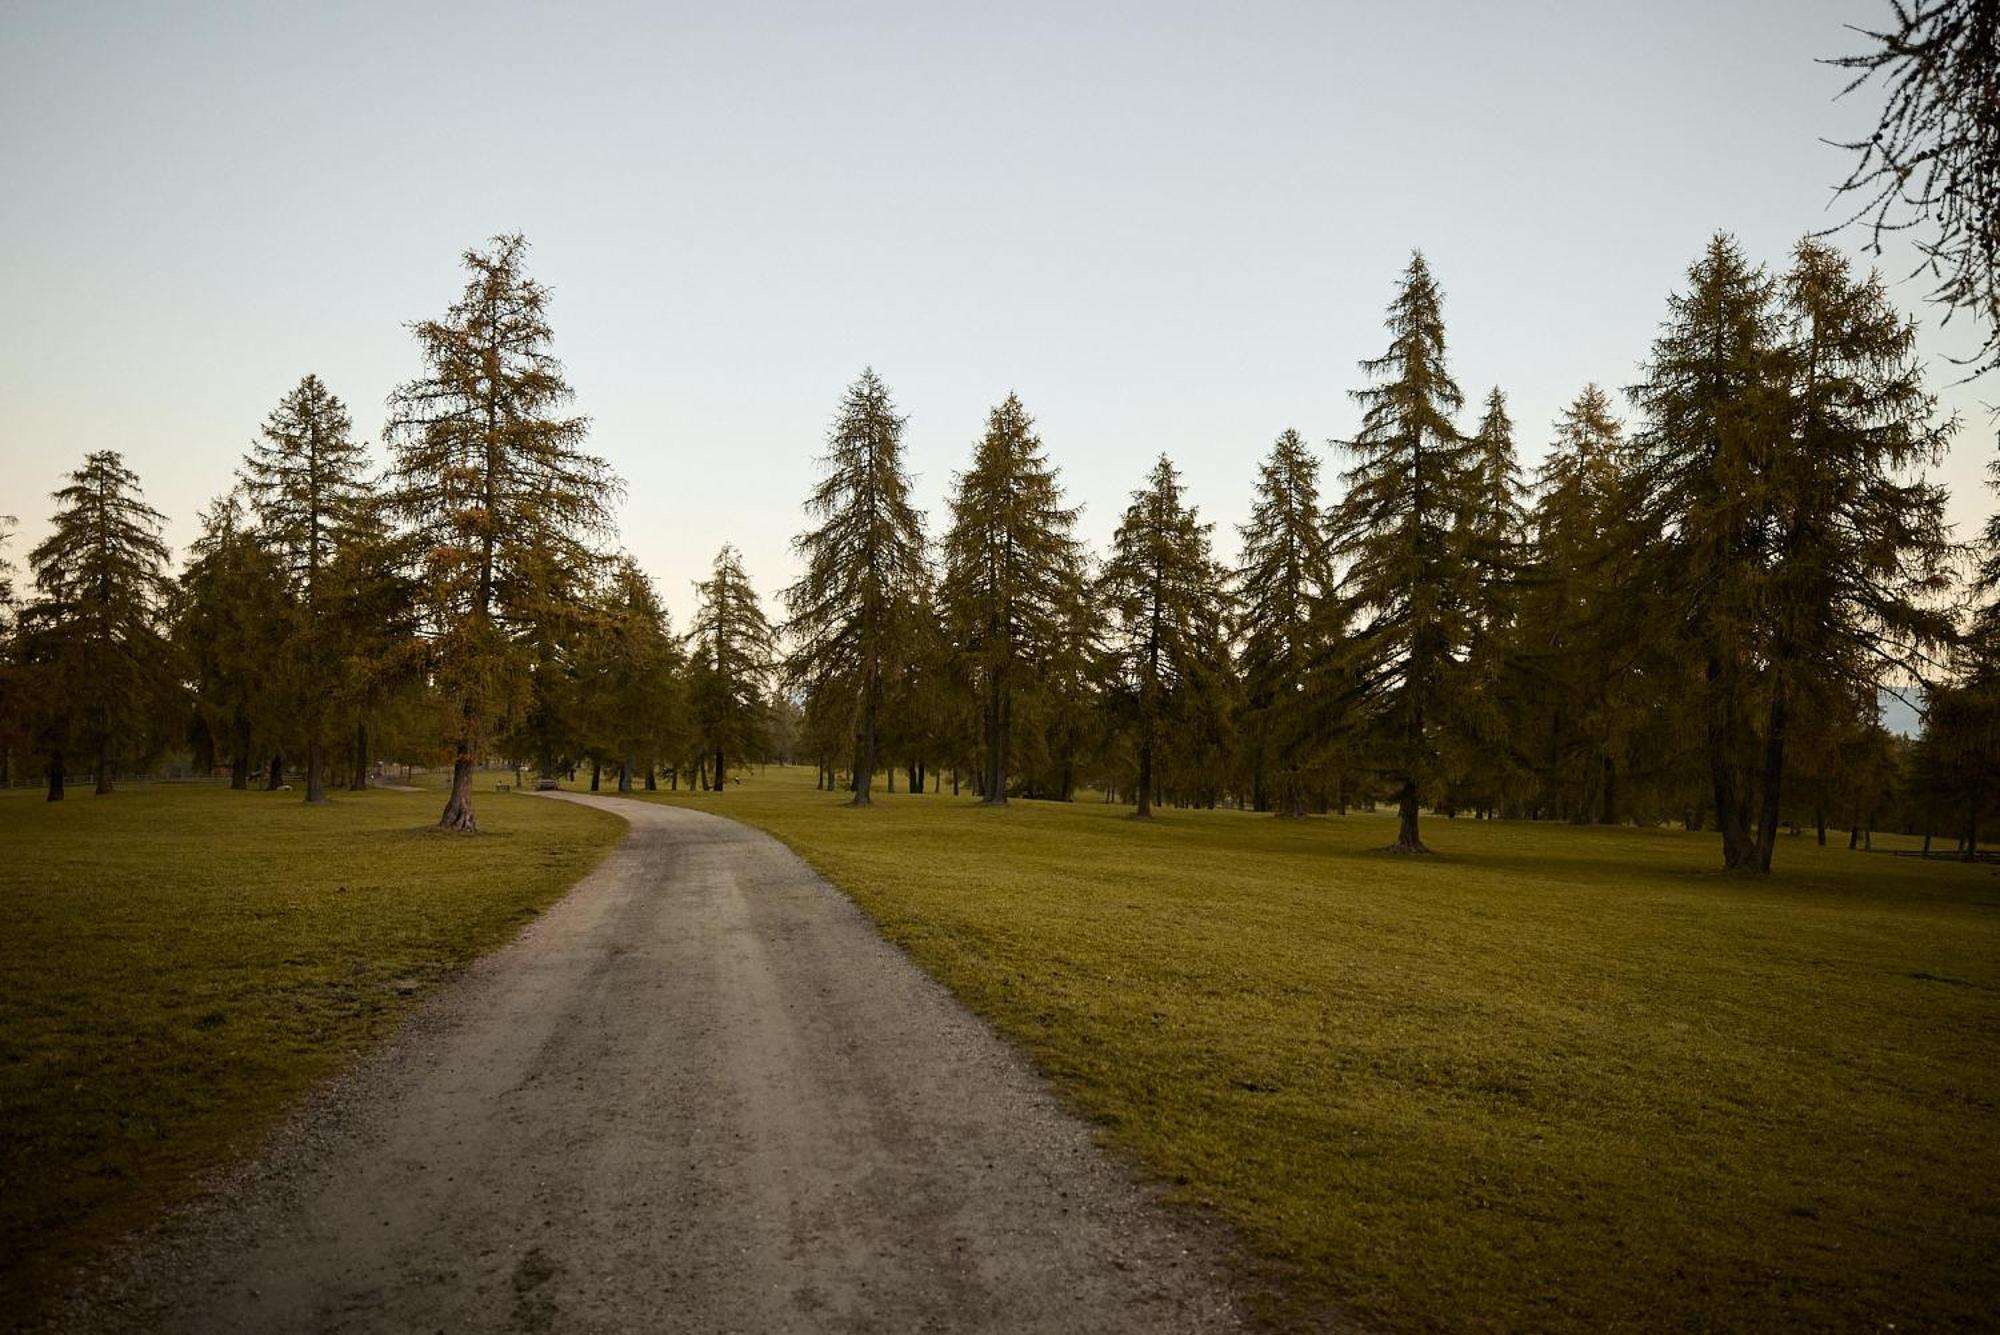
{"type": "Point", "coordinates": [180, 963]}
{"type": "Point", "coordinates": [1555, 1078]}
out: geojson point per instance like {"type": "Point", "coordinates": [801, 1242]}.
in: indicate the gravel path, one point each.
{"type": "Point", "coordinates": [698, 1094]}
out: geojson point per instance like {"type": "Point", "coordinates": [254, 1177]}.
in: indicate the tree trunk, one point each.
{"type": "Point", "coordinates": [720, 771]}
{"type": "Point", "coordinates": [1145, 807]}
{"type": "Point", "coordinates": [864, 747]}
{"type": "Point", "coordinates": [56, 775]}
{"type": "Point", "coordinates": [360, 783]}
{"type": "Point", "coordinates": [652, 777]}
{"type": "Point", "coordinates": [625, 775]}
{"type": "Point", "coordinates": [596, 773]}
{"type": "Point", "coordinates": [1607, 811]}
{"type": "Point", "coordinates": [239, 760]}
{"type": "Point", "coordinates": [458, 808]}
{"type": "Point", "coordinates": [315, 771]}
{"type": "Point", "coordinates": [1774, 774]}
{"type": "Point", "coordinates": [104, 765]}
{"type": "Point", "coordinates": [1819, 824]}
{"type": "Point", "coordinates": [1972, 832]}
{"type": "Point", "coordinates": [276, 778]}
{"type": "Point", "coordinates": [1406, 820]}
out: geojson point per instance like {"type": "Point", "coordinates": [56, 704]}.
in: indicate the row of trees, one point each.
{"type": "Point", "coordinates": [460, 604]}
{"type": "Point", "coordinates": [1684, 618]}
{"type": "Point", "coordinates": [1687, 619]}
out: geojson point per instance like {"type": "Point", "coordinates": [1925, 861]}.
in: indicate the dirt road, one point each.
{"type": "Point", "coordinates": [699, 1094]}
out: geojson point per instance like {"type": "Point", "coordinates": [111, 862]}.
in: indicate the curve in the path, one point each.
{"type": "Point", "coordinates": [700, 1093]}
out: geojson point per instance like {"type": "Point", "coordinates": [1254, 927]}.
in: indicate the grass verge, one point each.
{"type": "Point", "coordinates": [181, 963]}
{"type": "Point", "coordinates": [1557, 1078]}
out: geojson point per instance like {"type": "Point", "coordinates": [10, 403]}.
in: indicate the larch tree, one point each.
{"type": "Point", "coordinates": [1281, 586]}
{"type": "Point", "coordinates": [490, 475]}
{"type": "Point", "coordinates": [307, 485]}
{"type": "Point", "coordinates": [231, 616]}
{"type": "Point", "coordinates": [853, 611]}
{"type": "Point", "coordinates": [642, 698]}
{"type": "Point", "coordinates": [93, 633]}
{"type": "Point", "coordinates": [1409, 587]}
{"type": "Point", "coordinates": [1010, 561]}
{"type": "Point", "coordinates": [1494, 535]}
{"type": "Point", "coordinates": [1931, 170]}
{"type": "Point", "coordinates": [1859, 552]}
{"type": "Point", "coordinates": [1713, 406]}
{"type": "Point", "coordinates": [732, 651]}
{"type": "Point", "coordinates": [1566, 647]}
{"type": "Point", "coordinates": [1154, 588]}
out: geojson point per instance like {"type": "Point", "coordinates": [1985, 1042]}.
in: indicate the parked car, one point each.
{"type": "Point", "coordinates": [546, 785]}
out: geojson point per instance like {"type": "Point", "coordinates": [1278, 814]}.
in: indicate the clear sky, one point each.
{"type": "Point", "coordinates": [1167, 226]}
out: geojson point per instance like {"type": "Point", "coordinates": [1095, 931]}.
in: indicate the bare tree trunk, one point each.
{"type": "Point", "coordinates": [864, 750]}
{"type": "Point", "coordinates": [1607, 812]}
{"type": "Point", "coordinates": [56, 775]}
{"type": "Point", "coordinates": [315, 770]}
{"type": "Point", "coordinates": [104, 764]}
{"type": "Point", "coordinates": [1774, 774]}
{"type": "Point", "coordinates": [1406, 826]}
{"type": "Point", "coordinates": [458, 808]}
{"type": "Point", "coordinates": [276, 778]}
{"type": "Point", "coordinates": [1819, 824]}
{"type": "Point", "coordinates": [625, 775]}
{"type": "Point", "coordinates": [1144, 809]}
{"type": "Point", "coordinates": [652, 777]}
{"type": "Point", "coordinates": [239, 759]}
{"type": "Point", "coordinates": [360, 783]}
{"type": "Point", "coordinates": [720, 772]}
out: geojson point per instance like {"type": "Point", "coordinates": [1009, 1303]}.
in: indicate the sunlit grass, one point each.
{"type": "Point", "coordinates": [1555, 1078]}
{"type": "Point", "coordinates": [181, 963]}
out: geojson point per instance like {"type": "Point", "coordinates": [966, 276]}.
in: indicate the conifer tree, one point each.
{"type": "Point", "coordinates": [1928, 170]}
{"type": "Point", "coordinates": [1010, 562]}
{"type": "Point", "coordinates": [307, 486]}
{"type": "Point", "coordinates": [494, 483]}
{"type": "Point", "coordinates": [1567, 645]}
{"type": "Point", "coordinates": [1859, 548]}
{"type": "Point", "coordinates": [230, 621]}
{"type": "Point", "coordinates": [1713, 403]}
{"type": "Point", "coordinates": [1154, 587]}
{"type": "Point", "coordinates": [853, 611]}
{"type": "Point", "coordinates": [732, 650]}
{"type": "Point", "coordinates": [1281, 587]}
{"type": "Point", "coordinates": [371, 610]}
{"type": "Point", "coordinates": [1408, 586]}
{"type": "Point", "coordinates": [92, 633]}
{"type": "Point", "coordinates": [641, 702]}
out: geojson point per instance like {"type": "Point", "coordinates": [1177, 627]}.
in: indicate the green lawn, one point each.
{"type": "Point", "coordinates": [180, 963]}
{"type": "Point", "coordinates": [1555, 1078]}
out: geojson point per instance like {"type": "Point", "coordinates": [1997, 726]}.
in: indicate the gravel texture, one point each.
{"type": "Point", "coordinates": [698, 1094]}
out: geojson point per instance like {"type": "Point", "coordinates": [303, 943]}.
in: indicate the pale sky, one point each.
{"type": "Point", "coordinates": [1167, 226]}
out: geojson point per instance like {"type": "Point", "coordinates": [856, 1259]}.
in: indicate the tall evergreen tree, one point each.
{"type": "Point", "coordinates": [230, 621]}
{"type": "Point", "coordinates": [641, 703]}
{"type": "Point", "coordinates": [853, 611]}
{"type": "Point", "coordinates": [1713, 405]}
{"type": "Point", "coordinates": [1281, 586]}
{"type": "Point", "coordinates": [1859, 549]}
{"type": "Point", "coordinates": [1409, 586]}
{"type": "Point", "coordinates": [732, 650]}
{"type": "Point", "coordinates": [1568, 640]}
{"type": "Point", "coordinates": [1010, 561]}
{"type": "Point", "coordinates": [505, 504]}
{"type": "Point", "coordinates": [1154, 587]}
{"type": "Point", "coordinates": [92, 633]}
{"type": "Point", "coordinates": [307, 485]}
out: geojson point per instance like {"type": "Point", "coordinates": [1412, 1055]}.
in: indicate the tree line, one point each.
{"type": "Point", "coordinates": [1682, 616]}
